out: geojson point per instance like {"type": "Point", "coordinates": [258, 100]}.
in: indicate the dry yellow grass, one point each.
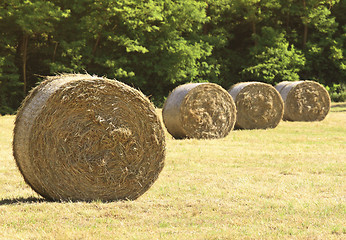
{"type": "Point", "coordinates": [282, 183]}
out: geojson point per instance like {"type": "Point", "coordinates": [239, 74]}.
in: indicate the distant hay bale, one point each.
{"type": "Point", "coordinates": [304, 100]}
{"type": "Point", "coordinates": [259, 105]}
{"type": "Point", "coordinates": [199, 110]}
{"type": "Point", "coordinates": [81, 137]}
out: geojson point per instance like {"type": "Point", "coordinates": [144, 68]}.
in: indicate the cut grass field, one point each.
{"type": "Point", "coordinates": [282, 183]}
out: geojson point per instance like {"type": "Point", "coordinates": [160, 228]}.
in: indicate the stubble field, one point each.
{"type": "Point", "coordinates": [282, 183]}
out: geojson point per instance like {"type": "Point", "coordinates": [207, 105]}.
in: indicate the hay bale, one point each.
{"type": "Point", "coordinates": [79, 137]}
{"type": "Point", "coordinates": [259, 105]}
{"type": "Point", "coordinates": [199, 110]}
{"type": "Point", "coordinates": [304, 100]}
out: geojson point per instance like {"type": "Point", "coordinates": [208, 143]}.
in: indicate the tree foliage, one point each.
{"type": "Point", "coordinates": [155, 45]}
{"type": "Point", "coordinates": [274, 59]}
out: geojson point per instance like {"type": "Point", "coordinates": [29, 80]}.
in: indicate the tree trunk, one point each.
{"type": "Point", "coordinates": [96, 44]}
{"type": "Point", "coordinates": [254, 32]}
{"type": "Point", "coordinates": [55, 48]}
{"type": "Point", "coordinates": [205, 25]}
{"type": "Point", "coordinates": [287, 21]}
{"type": "Point", "coordinates": [24, 60]}
{"type": "Point", "coordinates": [305, 36]}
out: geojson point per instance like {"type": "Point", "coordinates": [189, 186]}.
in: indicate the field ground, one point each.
{"type": "Point", "coordinates": [282, 183]}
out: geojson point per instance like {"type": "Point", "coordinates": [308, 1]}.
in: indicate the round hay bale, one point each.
{"type": "Point", "coordinates": [199, 110]}
{"type": "Point", "coordinates": [81, 137]}
{"type": "Point", "coordinates": [304, 100]}
{"type": "Point", "coordinates": [259, 105]}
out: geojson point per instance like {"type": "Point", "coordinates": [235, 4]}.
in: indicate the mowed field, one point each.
{"type": "Point", "coordinates": [282, 183]}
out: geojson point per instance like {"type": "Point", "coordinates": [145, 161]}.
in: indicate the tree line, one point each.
{"type": "Point", "coordinates": [156, 45]}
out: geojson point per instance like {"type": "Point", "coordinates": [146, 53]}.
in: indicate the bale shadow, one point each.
{"type": "Point", "coordinates": [33, 200]}
{"type": "Point", "coordinates": [339, 105]}
{"type": "Point", "coordinates": [30, 200]}
{"type": "Point", "coordinates": [337, 111]}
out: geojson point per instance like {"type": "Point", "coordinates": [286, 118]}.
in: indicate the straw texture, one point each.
{"type": "Point", "coordinates": [199, 110]}
{"type": "Point", "coordinates": [79, 137]}
{"type": "Point", "coordinates": [259, 105]}
{"type": "Point", "coordinates": [304, 100]}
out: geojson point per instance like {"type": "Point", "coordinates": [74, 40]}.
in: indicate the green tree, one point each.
{"type": "Point", "coordinates": [235, 27]}
{"type": "Point", "coordinates": [156, 45]}
{"type": "Point", "coordinates": [274, 59]}
{"type": "Point", "coordinates": [324, 47]}
{"type": "Point", "coordinates": [152, 45]}
{"type": "Point", "coordinates": [25, 28]}
{"type": "Point", "coordinates": [10, 85]}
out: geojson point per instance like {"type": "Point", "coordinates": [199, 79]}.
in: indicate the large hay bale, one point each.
{"type": "Point", "coordinates": [199, 110]}
{"type": "Point", "coordinates": [304, 100]}
{"type": "Point", "coordinates": [79, 137]}
{"type": "Point", "coordinates": [259, 105]}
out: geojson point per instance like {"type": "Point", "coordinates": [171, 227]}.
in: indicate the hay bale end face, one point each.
{"type": "Point", "coordinates": [304, 100]}
{"type": "Point", "coordinates": [259, 105]}
{"type": "Point", "coordinates": [79, 137]}
{"type": "Point", "coordinates": [199, 110]}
